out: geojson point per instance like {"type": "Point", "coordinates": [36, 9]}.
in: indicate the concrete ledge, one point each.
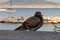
{"type": "Point", "coordinates": [28, 35]}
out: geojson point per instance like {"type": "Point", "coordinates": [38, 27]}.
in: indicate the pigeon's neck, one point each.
{"type": "Point", "coordinates": [39, 16]}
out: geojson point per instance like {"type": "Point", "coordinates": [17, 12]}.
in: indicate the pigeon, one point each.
{"type": "Point", "coordinates": [32, 23]}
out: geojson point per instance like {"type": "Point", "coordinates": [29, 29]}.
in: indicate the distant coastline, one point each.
{"type": "Point", "coordinates": [30, 6]}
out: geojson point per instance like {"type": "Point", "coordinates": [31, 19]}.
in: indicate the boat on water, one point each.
{"type": "Point", "coordinates": [2, 9]}
{"type": "Point", "coordinates": [57, 29]}
{"type": "Point", "coordinates": [8, 10]}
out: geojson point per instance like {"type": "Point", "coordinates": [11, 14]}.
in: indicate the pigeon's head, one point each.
{"type": "Point", "coordinates": [37, 14]}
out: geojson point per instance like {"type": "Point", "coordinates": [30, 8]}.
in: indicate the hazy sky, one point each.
{"type": "Point", "coordinates": [26, 2]}
{"type": "Point", "coordinates": [2, 1]}
{"type": "Point", "coordinates": [56, 1]}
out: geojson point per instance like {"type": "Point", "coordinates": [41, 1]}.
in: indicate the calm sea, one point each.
{"type": "Point", "coordinates": [30, 12]}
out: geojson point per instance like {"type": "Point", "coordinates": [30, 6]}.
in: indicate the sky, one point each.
{"type": "Point", "coordinates": [28, 2]}
{"type": "Point", "coordinates": [2, 1]}
{"type": "Point", "coordinates": [56, 1]}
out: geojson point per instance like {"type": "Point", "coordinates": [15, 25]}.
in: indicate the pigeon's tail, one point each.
{"type": "Point", "coordinates": [21, 28]}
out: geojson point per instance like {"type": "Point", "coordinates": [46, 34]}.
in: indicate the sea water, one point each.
{"type": "Point", "coordinates": [30, 12]}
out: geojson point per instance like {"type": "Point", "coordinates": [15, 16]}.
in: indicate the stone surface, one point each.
{"type": "Point", "coordinates": [28, 35]}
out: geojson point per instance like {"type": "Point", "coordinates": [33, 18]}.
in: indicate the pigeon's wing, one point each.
{"type": "Point", "coordinates": [32, 22]}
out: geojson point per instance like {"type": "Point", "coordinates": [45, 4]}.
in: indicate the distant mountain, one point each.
{"type": "Point", "coordinates": [30, 2]}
